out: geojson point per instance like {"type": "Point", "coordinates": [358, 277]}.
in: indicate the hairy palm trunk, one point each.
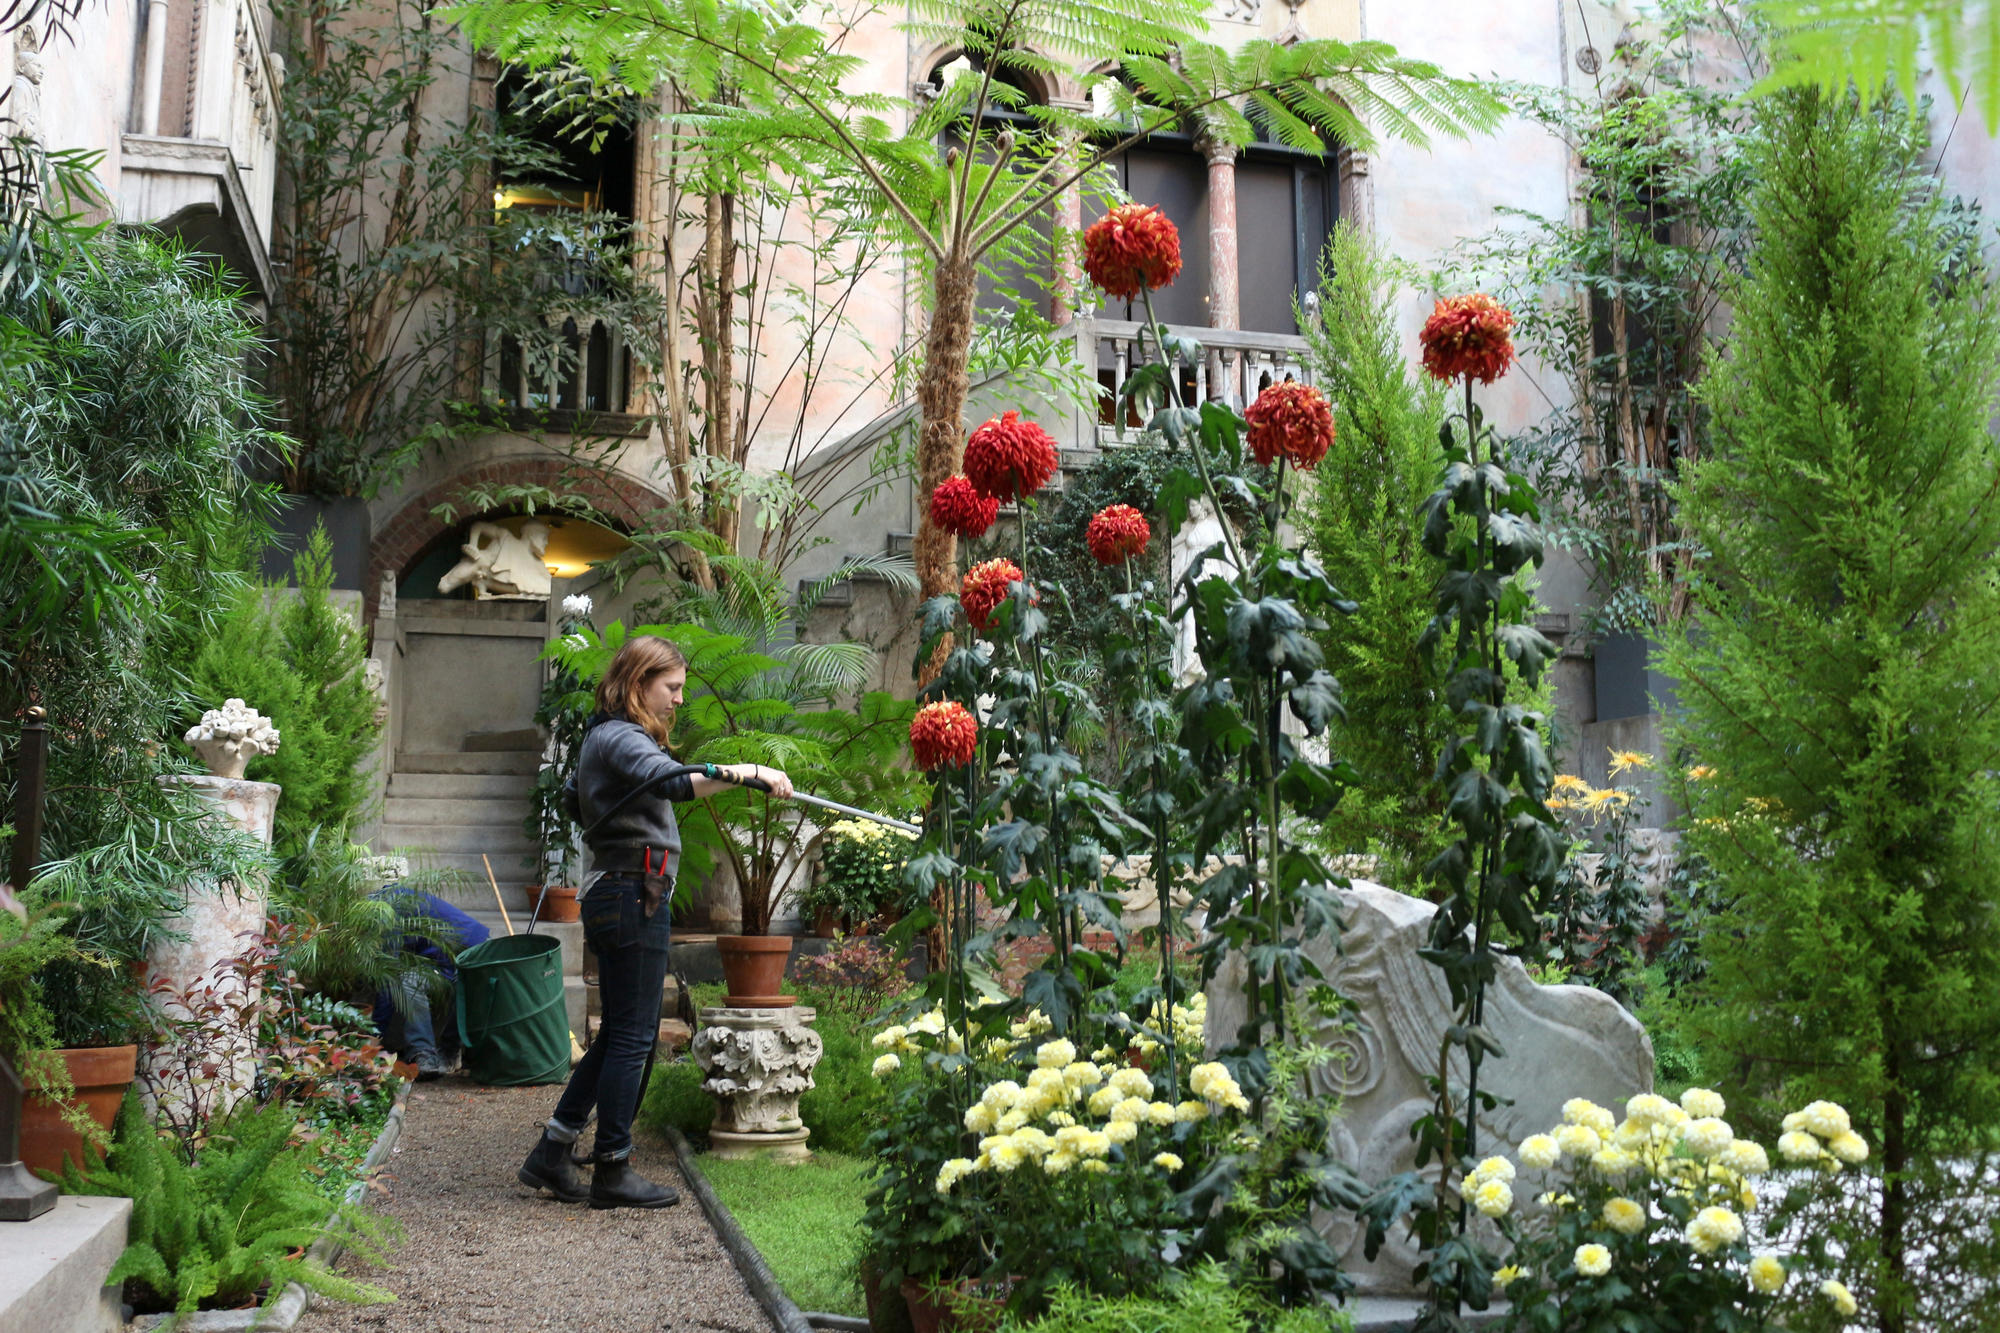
{"type": "Point", "coordinates": [941, 399]}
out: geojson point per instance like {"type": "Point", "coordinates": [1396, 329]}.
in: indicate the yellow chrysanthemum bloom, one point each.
{"type": "Point", "coordinates": [1625, 1216]}
{"type": "Point", "coordinates": [1703, 1104]}
{"type": "Point", "coordinates": [1539, 1152]}
{"type": "Point", "coordinates": [1624, 760]}
{"type": "Point", "coordinates": [953, 1171]}
{"type": "Point", "coordinates": [1708, 1136]}
{"type": "Point", "coordinates": [1189, 1112]}
{"type": "Point", "coordinates": [1057, 1054]}
{"type": "Point", "coordinates": [1712, 1228]}
{"type": "Point", "coordinates": [886, 1065]}
{"type": "Point", "coordinates": [1132, 1109]}
{"type": "Point", "coordinates": [1121, 1131]}
{"type": "Point", "coordinates": [1058, 1162]}
{"type": "Point", "coordinates": [1006, 1155]}
{"type": "Point", "coordinates": [1494, 1198]}
{"type": "Point", "coordinates": [1849, 1147]}
{"type": "Point", "coordinates": [1095, 1167]}
{"type": "Point", "coordinates": [1767, 1275]}
{"type": "Point", "coordinates": [1032, 1141]}
{"type": "Point", "coordinates": [1097, 1144]}
{"type": "Point", "coordinates": [1166, 1161]}
{"type": "Point", "coordinates": [1570, 782]}
{"type": "Point", "coordinates": [1134, 1083]}
{"type": "Point", "coordinates": [1011, 1121]}
{"type": "Point", "coordinates": [888, 1036]}
{"type": "Point", "coordinates": [1002, 1095]}
{"type": "Point", "coordinates": [1798, 1146]}
{"type": "Point", "coordinates": [1826, 1120]}
{"type": "Point", "coordinates": [1701, 773]}
{"type": "Point", "coordinates": [1592, 1260]}
{"type": "Point", "coordinates": [1081, 1074]}
{"type": "Point", "coordinates": [1103, 1100]}
{"type": "Point", "coordinates": [1160, 1113]}
{"type": "Point", "coordinates": [980, 1118]}
{"type": "Point", "coordinates": [1843, 1299]}
{"type": "Point", "coordinates": [1649, 1109]}
{"type": "Point", "coordinates": [1583, 1111]}
{"type": "Point", "coordinates": [1577, 1140]}
{"type": "Point", "coordinates": [1746, 1158]}
{"type": "Point", "coordinates": [1495, 1168]}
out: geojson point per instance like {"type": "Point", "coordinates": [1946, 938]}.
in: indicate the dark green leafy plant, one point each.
{"type": "Point", "coordinates": [860, 870]}
{"type": "Point", "coordinates": [1206, 1299]}
{"type": "Point", "coordinates": [1839, 683]}
{"type": "Point", "coordinates": [230, 1226]}
{"type": "Point", "coordinates": [347, 933]}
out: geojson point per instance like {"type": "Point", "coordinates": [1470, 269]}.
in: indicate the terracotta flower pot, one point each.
{"type": "Point", "coordinates": [753, 966]}
{"type": "Point", "coordinates": [558, 902]}
{"type": "Point", "coordinates": [962, 1307]}
{"type": "Point", "coordinates": [888, 1312]}
{"type": "Point", "coordinates": [101, 1075]}
{"type": "Point", "coordinates": [826, 922]}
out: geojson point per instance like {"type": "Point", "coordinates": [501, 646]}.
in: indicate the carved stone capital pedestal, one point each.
{"type": "Point", "coordinates": [757, 1062]}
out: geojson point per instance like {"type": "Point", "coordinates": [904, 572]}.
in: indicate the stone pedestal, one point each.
{"type": "Point", "coordinates": [220, 921]}
{"type": "Point", "coordinates": [757, 1062]}
{"type": "Point", "coordinates": [1561, 1042]}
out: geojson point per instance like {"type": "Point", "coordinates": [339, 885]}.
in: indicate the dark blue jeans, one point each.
{"type": "Point", "coordinates": [632, 966]}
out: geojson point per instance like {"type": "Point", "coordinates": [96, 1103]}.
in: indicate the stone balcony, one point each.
{"type": "Point", "coordinates": [204, 163]}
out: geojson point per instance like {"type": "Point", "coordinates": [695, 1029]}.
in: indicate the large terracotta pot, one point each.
{"type": "Point", "coordinates": [960, 1308]}
{"type": "Point", "coordinates": [754, 968]}
{"type": "Point", "coordinates": [558, 903]}
{"type": "Point", "coordinates": [826, 922]}
{"type": "Point", "coordinates": [101, 1075]}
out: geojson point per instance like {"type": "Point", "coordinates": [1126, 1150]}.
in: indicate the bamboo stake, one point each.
{"type": "Point", "coordinates": [496, 893]}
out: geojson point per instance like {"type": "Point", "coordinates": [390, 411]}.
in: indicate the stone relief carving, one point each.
{"type": "Point", "coordinates": [757, 1062]}
{"type": "Point", "coordinates": [1561, 1042]}
{"type": "Point", "coordinates": [497, 564]}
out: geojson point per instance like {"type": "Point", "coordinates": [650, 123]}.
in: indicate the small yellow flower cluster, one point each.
{"type": "Point", "coordinates": [1573, 793]}
{"type": "Point", "coordinates": [925, 1032]}
{"type": "Point", "coordinates": [1489, 1187]}
{"type": "Point", "coordinates": [1767, 1275]}
{"type": "Point", "coordinates": [866, 832]}
{"type": "Point", "coordinates": [1062, 1088]}
{"type": "Point", "coordinates": [1822, 1136]}
{"type": "Point", "coordinates": [1183, 1023]}
{"type": "Point", "coordinates": [1843, 1299]}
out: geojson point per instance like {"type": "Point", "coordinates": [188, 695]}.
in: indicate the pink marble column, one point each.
{"type": "Point", "coordinates": [1067, 280]}
{"type": "Point", "coordinates": [1224, 305]}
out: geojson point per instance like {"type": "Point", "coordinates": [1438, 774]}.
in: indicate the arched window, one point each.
{"type": "Point", "coordinates": [1286, 203]}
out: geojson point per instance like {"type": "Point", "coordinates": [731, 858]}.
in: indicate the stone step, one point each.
{"type": "Point", "coordinates": [52, 1269]}
{"type": "Point", "coordinates": [454, 810]}
{"type": "Point", "coordinates": [461, 786]}
{"type": "Point", "coordinates": [509, 871]}
{"type": "Point", "coordinates": [430, 845]}
{"type": "Point", "coordinates": [512, 741]}
{"type": "Point", "coordinates": [487, 762]}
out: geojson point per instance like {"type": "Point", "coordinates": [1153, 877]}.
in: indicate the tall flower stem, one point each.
{"type": "Point", "coordinates": [1063, 931]}
{"type": "Point", "coordinates": [1163, 882]}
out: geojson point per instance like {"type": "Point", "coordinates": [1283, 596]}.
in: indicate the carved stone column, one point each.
{"type": "Point", "coordinates": [1224, 303]}
{"type": "Point", "coordinates": [757, 1062]}
{"type": "Point", "coordinates": [1067, 280]}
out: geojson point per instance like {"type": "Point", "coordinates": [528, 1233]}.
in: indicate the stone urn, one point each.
{"type": "Point", "coordinates": [229, 737]}
{"type": "Point", "coordinates": [755, 1064]}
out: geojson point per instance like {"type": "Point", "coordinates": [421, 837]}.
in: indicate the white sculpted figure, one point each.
{"type": "Point", "coordinates": [499, 564]}
{"type": "Point", "coordinates": [229, 737]}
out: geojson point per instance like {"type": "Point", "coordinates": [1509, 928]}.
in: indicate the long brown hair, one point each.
{"type": "Point", "coordinates": [622, 692]}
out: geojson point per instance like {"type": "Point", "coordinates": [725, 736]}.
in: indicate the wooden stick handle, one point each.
{"type": "Point", "coordinates": [496, 893]}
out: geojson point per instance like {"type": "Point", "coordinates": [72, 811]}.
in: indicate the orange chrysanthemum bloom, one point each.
{"type": "Point", "coordinates": [943, 735]}
{"type": "Point", "coordinates": [984, 587]}
{"type": "Point", "coordinates": [1470, 336]}
{"type": "Point", "coordinates": [1117, 533]}
{"type": "Point", "coordinates": [1290, 420]}
{"type": "Point", "coordinates": [1131, 249]}
{"type": "Point", "coordinates": [959, 508]}
{"type": "Point", "coordinates": [1009, 459]}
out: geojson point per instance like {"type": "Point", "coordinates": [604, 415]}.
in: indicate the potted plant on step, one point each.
{"type": "Point", "coordinates": [860, 871]}
{"type": "Point", "coordinates": [563, 715]}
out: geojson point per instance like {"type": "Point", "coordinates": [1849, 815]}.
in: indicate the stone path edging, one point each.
{"type": "Point", "coordinates": [757, 1274]}
{"type": "Point", "coordinates": [291, 1306]}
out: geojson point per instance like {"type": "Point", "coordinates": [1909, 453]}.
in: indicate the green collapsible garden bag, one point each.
{"type": "Point", "coordinates": [511, 1016]}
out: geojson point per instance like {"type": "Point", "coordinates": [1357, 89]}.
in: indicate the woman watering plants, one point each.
{"type": "Point", "coordinates": [625, 786]}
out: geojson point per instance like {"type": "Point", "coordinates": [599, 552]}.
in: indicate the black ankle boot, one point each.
{"type": "Point", "coordinates": [618, 1185]}
{"type": "Point", "coordinates": [550, 1167]}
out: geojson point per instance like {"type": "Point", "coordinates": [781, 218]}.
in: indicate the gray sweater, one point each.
{"type": "Point", "coordinates": [617, 756]}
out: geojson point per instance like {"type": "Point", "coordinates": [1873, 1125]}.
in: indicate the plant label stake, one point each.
{"type": "Point", "coordinates": [22, 1197]}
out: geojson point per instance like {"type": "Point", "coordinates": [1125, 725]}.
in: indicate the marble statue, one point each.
{"type": "Point", "coordinates": [1560, 1042]}
{"type": "Point", "coordinates": [229, 737]}
{"type": "Point", "coordinates": [497, 564]}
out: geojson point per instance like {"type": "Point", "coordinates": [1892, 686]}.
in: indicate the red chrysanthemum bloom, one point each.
{"type": "Point", "coordinates": [985, 587]}
{"type": "Point", "coordinates": [943, 735]}
{"type": "Point", "coordinates": [1293, 420]}
{"type": "Point", "coordinates": [959, 508]}
{"type": "Point", "coordinates": [1116, 534]}
{"type": "Point", "coordinates": [1010, 459]}
{"type": "Point", "coordinates": [1131, 249]}
{"type": "Point", "coordinates": [1470, 336]}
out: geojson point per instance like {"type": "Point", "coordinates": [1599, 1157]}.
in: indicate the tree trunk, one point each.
{"type": "Point", "coordinates": [941, 398]}
{"type": "Point", "coordinates": [1892, 1295]}
{"type": "Point", "coordinates": [719, 335]}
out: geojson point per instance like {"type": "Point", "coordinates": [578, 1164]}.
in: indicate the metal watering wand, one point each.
{"type": "Point", "coordinates": [757, 784]}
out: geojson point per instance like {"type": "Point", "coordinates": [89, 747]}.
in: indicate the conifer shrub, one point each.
{"type": "Point", "coordinates": [1838, 679]}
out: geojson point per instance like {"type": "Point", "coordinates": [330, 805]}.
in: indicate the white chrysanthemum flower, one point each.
{"type": "Point", "coordinates": [1081, 1074]}
{"type": "Point", "coordinates": [953, 1171]}
{"type": "Point", "coordinates": [888, 1036]}
{"type": "Point", "coordinates": [1849, 1147]}
{"type": "Point", "coordinates": [1494, 1198]}
{"type": "Point", "coordinates": [1007, 1156]}
{"type": "Point", "coordinates": [1707, 1137]}
{"type": "Point", "coordinates": [1167, 1161]}
{"type": "Point", "coordinates": [1057, 1055]}
{"type": "Point", "coordinates": [1712, 1228]}
{"type": "Point", "coordinates": [1191, 1112]}
{"type": "Point", "coordinates": [1002, 1095]}
{"type": "Point", "coordinates": [579, 604]}
{"type": "Point", "coordinates": [1825, 1120]}
{"type": "Point", "coordinates": [1012, 1120]}
{"type": "Point", "coordinates": [1613, 1161]}
{"type": "Point", "coordinates": [1843, 1299]}
{"type": "Point", "coordinates": [981, 1118]}
{"type": "Point", "coordinates": [1103, 1100]}
{"type": "Point", "coordinates": [1746, 1157]}
{"type": "Point", "coordinates": [1798, 1146]}
{"type": "Point", "coordinates": [1539, 1151]}
{"type": "Point", "coordinates": [1583, 1111]}
{"type": "Point", "coordinates": [1121, 1131]}
{"type": "Point", "coordinates": [1649, 1108]}
{"type": "Point", "coordinates": [1767, 1275]}
{"type": "Point", "coordinates": [1703, 1104]}
{"type": "Point", "coordinates": [1592, 1260]}
{"type": "Point", "coordinates": [1058, 1162]}
{"type": "Point", "coordinates": [1625, 1216]}
{"type": "Point", "coordinates": [886, 1065]}
{"type": "Point", "coordinates": [1495, 1168]}
{"type": "Point", "coordinates": [1134, 1083]}
{"type": "Point", "coordinates": [1577, 1140]}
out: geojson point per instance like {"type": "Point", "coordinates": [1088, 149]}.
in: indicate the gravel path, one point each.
{"type": "Point", "coordinates": [480, 1250]}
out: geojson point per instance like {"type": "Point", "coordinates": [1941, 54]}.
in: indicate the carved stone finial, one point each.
{"type": "Point", "coordinates": [229, 737]}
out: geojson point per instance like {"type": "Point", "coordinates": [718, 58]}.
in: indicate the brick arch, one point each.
{"type": "Point", "coordinates": [618, 498]}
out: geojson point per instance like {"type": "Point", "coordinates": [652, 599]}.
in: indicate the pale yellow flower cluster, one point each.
{"type": "Point", "coordinates": [866, 831]}
{"type": "Point", "coordinates": [1183, 1023]}
{"type": "Point", "coordinates": [927, 1031]}
{"type": "Point", "coordinates": [1058, 1093]}
{"type": "Point", "coordinates": [1821, 1135]}
{"type": "Point", "coordinates": [1489, 1187]}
